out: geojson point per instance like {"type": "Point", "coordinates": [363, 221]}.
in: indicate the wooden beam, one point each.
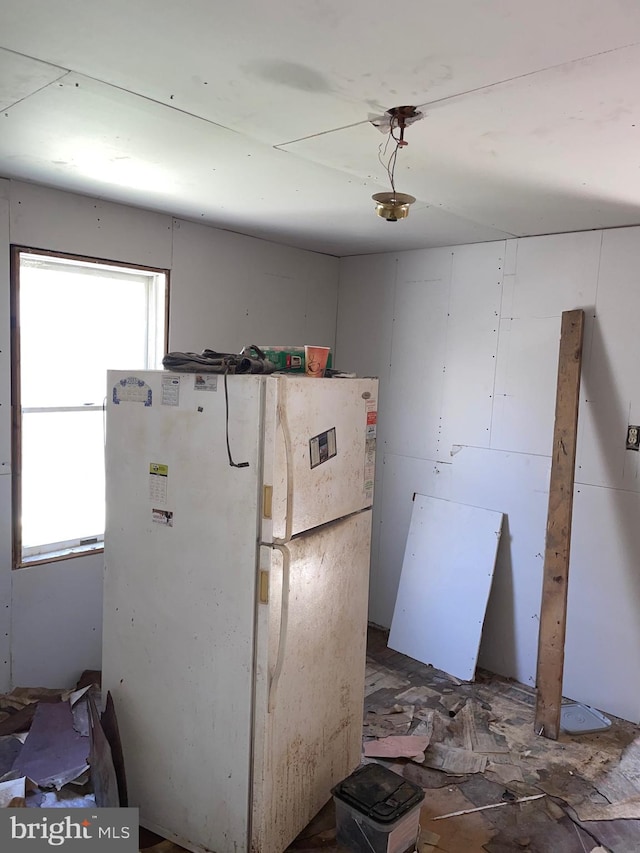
{"type": "Point", "coordinates": [553, 611]}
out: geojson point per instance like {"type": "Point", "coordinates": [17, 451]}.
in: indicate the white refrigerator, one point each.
{"type": "Point", "coordinates": [235, 597]}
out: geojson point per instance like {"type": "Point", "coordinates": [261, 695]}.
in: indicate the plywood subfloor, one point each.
{"type": "Point", "coordinates": [493, 717]}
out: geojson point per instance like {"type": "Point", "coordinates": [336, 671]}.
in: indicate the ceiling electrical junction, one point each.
{"type": "Point", "coordinates": [394, 205]}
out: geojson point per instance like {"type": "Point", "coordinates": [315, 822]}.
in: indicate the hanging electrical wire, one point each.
{"type": "Point", "coordinates": [393, 206]}
{"type": "Point", "coordinates": [390, 165]}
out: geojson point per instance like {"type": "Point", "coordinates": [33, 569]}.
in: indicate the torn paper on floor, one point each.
{"type": "Point", "coordinates": [419, 693]}
{"type": "Point", "coordinates": [384, 722]}
{"type": "Point", "coordinates": [453, 760]}
{"type": "Point", "coordinates": [66, 798]}
{"type": "Point", "coordinates": [625, 810]}
{"type": "Point", "coordinates": [503, 772]}
{"type": "Point", "coordinates": [402, 746]}
{"type": "Point", "coordinates": [13, 793]}
{"type": "Point", "coordinates": [54, 753]}
{"type": "Point", "coordinates": [425, 726]}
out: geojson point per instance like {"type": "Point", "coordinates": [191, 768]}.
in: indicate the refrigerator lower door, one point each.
{"type": "Point", "coordinates": [311, 649]}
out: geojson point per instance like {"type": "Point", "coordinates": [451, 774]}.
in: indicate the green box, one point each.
{"type": "Point", "coordinates": [289, 359]}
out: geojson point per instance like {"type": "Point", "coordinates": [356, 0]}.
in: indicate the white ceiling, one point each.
{"type": "Point", "coordinates": [254, 116]}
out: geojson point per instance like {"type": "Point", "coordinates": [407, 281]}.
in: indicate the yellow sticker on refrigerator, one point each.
{"type": "Point", "coordinates": [158, 478]}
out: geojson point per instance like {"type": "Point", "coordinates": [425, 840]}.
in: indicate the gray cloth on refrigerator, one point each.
{"type": "Point", "coordinates": [250, 360]}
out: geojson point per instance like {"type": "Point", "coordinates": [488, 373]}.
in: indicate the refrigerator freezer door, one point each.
{"type": "Point", "coordinates": [319, 451]}
{"type": "Point", "coordinates": [179, 602]}
{"type": "Point", "coordinates": [311, 647]}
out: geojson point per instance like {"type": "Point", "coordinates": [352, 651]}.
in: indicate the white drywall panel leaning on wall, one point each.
{"type": "Point", "coordinates": [602, 654]}
{"type": "Point", "coordinates": [444, 586]}
{"type": "Point", "coordinates": [471, 347]}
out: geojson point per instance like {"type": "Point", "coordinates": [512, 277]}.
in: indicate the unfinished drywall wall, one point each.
{"type": "Point", "coordinates": [466, 346]}
{"type": "Point", "coordinates": [5, 446]}
{"type": "Point", "coordinates": [244, 291]}
{"type": "Point", "coordinates": [227, 290]}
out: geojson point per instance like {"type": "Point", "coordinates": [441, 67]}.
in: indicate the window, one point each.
{"type": "Point", "coordinates": [73, 318]}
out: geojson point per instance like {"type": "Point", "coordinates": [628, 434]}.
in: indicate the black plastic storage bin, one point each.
{"type": "Point", "coordinates": [377, 811]}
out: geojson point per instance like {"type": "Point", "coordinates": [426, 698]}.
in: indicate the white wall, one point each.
{"type": "Point", "coordinates": [227, 290]}
{"type": "Point", "coordinates": [5, 445]}
{"type": "Point", "coordinates": [465, 341]}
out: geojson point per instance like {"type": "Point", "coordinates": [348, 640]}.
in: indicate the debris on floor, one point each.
{"type": "Point", "coordinates": [576, 719]}
{"type": "Point", "coordinates": [491, 784]}
{"type": "Point", "coordinates": [402, 746]}
{"type": "Point", "coordinates": [382, 722]}
{"type": "Point", "coordinates": [54, 752]}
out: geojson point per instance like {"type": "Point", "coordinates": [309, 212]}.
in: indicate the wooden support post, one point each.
{"type": "Point", "coordinates": [553, 611]}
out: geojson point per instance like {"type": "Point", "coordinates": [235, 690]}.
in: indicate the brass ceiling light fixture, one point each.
{"type": "Point", "coordinates": [393, 205]}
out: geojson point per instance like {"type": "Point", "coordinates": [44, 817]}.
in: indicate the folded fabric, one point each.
{"type": "Point", "coordinates": [250, 360]}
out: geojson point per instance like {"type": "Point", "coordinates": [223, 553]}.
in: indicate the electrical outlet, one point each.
{"type": "Point", "coordinates": [633, 437]}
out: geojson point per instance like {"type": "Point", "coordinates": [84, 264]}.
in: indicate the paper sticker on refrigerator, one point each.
{"type": "Point", "coordinates": [372, 418]}
{"type": "Point", "coordinates": [369, 466]}
{"type": "Point", "coordinates": [171, 390]}
{"type": "Point", "coordinates": [322, 447]}
{"type": "Point", "coordinates": [205, 382]}
{"type": "Point", "coordinates": [162, 516]}
{"type": "Point", "coordinates": [158, 477]}
{"type": "Point", "coordinates": [132, 390]}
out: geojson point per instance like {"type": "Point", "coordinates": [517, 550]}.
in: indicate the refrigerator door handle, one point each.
{"type": "Point", "coordinates": [288, 453]}
{"type": "Point", "coordinates": [284, 616]}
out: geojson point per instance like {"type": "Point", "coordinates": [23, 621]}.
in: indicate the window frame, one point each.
{"type": "Point", "coordinates": [91, 545]}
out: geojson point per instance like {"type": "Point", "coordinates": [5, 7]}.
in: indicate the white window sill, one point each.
{"type": "Point", "coordinates": [62, 554]}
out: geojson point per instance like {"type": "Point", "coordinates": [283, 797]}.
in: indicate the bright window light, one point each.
{"type": "Point", "coordinates": [76, 319]}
